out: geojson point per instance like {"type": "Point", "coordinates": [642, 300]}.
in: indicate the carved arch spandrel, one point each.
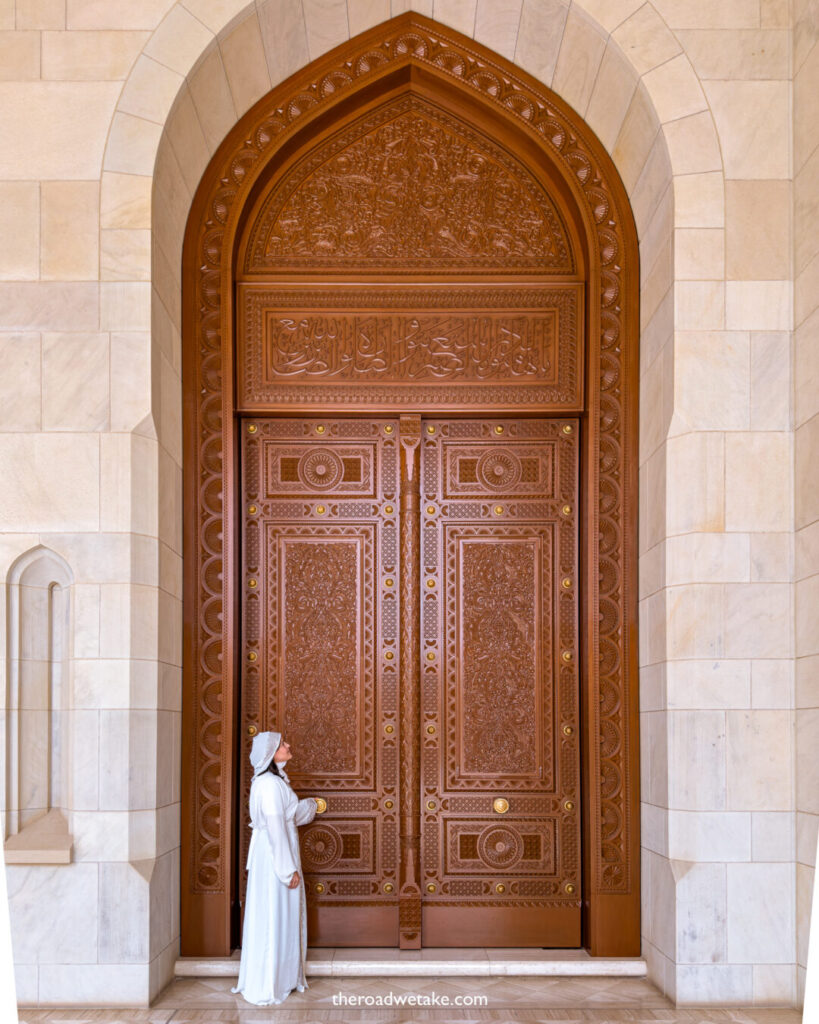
{"type": "Point", "coordinates": [546, 127]}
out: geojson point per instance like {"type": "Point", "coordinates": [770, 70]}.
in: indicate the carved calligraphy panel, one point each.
{"type": "Point", "coordinates": [469, 346]}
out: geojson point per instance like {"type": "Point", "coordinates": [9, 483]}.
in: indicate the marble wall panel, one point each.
{"type": "Point", "coordinates": [69, 937]}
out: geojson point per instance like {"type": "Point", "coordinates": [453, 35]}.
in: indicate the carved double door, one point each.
{"type": "Point", "coordinates": [410, 623]}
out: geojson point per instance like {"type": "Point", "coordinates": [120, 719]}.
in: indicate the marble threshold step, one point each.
{"type": "Point", "coordinates": [438, 963]}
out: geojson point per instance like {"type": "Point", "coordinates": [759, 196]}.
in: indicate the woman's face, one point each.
{"type": "Point", "coordinates": [283, 753]}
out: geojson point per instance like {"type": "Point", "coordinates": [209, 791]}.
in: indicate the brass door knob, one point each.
{"type": "Point", "coordinates": [321, 804]}
{"type": "Point", "coordinates": [500, 805]}
{"type": "Point", "coordinates": [252, 730]}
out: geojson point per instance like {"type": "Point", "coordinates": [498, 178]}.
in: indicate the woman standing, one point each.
{"type": "Point", "coordinates": [274, 938]}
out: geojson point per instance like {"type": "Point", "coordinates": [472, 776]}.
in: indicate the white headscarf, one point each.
{"type": "Point", "coordinates": [261, 754]}
{"type": "Point", "coordinates": [265, 745]}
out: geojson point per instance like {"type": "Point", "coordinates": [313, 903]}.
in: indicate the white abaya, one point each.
{"type": "Point", "coordinates": [274, 937]}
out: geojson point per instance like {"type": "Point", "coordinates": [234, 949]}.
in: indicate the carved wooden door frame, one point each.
{"type": "Point", "coordinates": [551, 134]}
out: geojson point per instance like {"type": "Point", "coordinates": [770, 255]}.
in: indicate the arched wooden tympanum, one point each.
{"type": "Point", "coordinates": [410, 279]}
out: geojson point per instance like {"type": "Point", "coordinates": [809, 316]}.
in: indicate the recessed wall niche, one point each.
{"type": "Point", "coordinates": [37, 731]}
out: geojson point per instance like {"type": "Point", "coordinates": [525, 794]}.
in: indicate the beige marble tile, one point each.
{"type": "Point", "coordinates": [496, 25]}
{"type": "Point", "coordinates": [732, 53]}
{"type": "Point", "coordinates": [46, 305]}
{"type": "Point", "coordinates": [759, 760]}
{"type": "Point", "coordinates": [125, 201]}
{"type": "Point", "coordinates": [700, 305]}
{"type": "Point", "coordinates": [116, 14]}
{"type": "Point", "coordinates": [636, 137]}
{"type": "Point", "coordinates": [645, 39]}
{"type": "Point", "coordinates": [699, 254]}
{"type": "Point", "coordinates": [806, 550]}
{"type": "Point", "coordinates": [775, 13]}
{"type": "Point", "coordinates": [132, 145]}
{"type": "Point", "coordinates": [771, 380]}
{"type": "Point", "coordinates": [187, 138]}
{"type": "Point", "coordinates": [70, 121]}
{"type": "Point", "coordinates": [284, 35]}
{"type": "Point", "coordinates": [326, 24]}
{"type": "Point", "coordinates": [758, 620]}
{"type": "Point", "coordinates": [458, 14]}
{"type": "Point", "coordinates": [76, 373]}
{"type": "Point", "coordinates": [245, 65]}
{"type": "Point", "coordinates": [581, 51]}
{"type": "Point", "coordinates": [806, 204]}
{"type": "Point", "coordinates": [125, 306]}
{"type": "Point", "coordinates": [771, 557]}
{"type": "Point", "coordinates": [758, 305]}
{"type": "Point", "coordinates": [693, 144]}
{"type": "Point", "coordinates": [212, 99]}
{"type": "Point", "coordinates": [757, 230]}
{"type": "Point", "coordinates": [93, 984]}
{"type": "Point", "coordinates": [20, 220]}
{"type": "Point", "coordinates": [130, 379]}
{"type": "Point", "coordinates": [806, 369]}
{"type": "Point", "coordinates": [752, 147]}
{"type": "Point", "coordinates": [539, 37]}
{"type": "Point", "coordinates": [715, 984]}
{"type": "Point", "coordinates": [20, 405]}
{"type": "Point", "coordinates": [611, 95]}
{"type": "Point", "coordinates": [698, 836]}
{"type": "Point", "coordinates": [696, 743]}
{"type": "Point", "coordinates": [760, 913]}
{"type": "Point", "coordinates": [70, 230]}
{"type": "Point", "coordinates": [216, 14]}
{"type": "Point", "coordinates": [774, 984]}
{"type": "Point", "coordinates": [695, 622]}
{"type": "Point", "coordinates": [178, 40]}
{"type": "Point", "coordinates": [40, 14]}
{"type": "Point", "coordinates": [708, 684]}
{"type": "Point", "coordinates": [806, 498]}
{"type": "Point", "coordinates": [702, 14]}
{"type": "Point", "coordinates": [699, 200]}
{"type": "Point", "coordinates": [125, 255]}
{"type": "Point", "coordinates": [150, 90]}
{"type": "Point", "coordinates": [19, 56]}
{"type": "Point", "coordinates": [91, 56]}
{"type": "Point", "coordinates": [757, 481]}
{"type": "Point", "coordinates": [712, 380]}
{"type": "Point", "coordinates": [70, 937]}
{"type": "Point", "coordinates": [772, 836]}
{"type": "Point", "coordinates": [696, 483]}
{"type": "Point", "coordinates": [364, 14]}
{"type": "Point", "coordinates": [805, 109]}
{"type": "Point", "coordinates": [674, 89]}
{"type": "Point", "coordinates": [807, 616]}
{"type": "Point", "coordinates": [715, 557]}
{"type": "Point", "coordinates": [609, 13]}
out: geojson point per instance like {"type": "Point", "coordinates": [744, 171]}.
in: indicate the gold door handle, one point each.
{"type": "Point", "coordinates": [321, 804]}
{"type": "Point", "coordinates": [500, 805]}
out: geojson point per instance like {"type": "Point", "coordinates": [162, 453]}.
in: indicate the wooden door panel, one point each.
{"type": "Point", "coordinates": [320, 636]}
{"type": "Point", "coordinates": [500, 691]}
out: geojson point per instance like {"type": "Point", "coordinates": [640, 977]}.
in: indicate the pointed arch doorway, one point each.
{"type": "Point", "coordinates": [410, 373]}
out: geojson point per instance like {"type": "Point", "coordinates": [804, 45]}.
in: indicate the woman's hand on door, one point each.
{"type": "Point", "coordinates": [294, 881]}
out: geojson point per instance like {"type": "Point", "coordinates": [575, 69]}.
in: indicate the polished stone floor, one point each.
{"type": "Point", "coordinates": [552, 1000]}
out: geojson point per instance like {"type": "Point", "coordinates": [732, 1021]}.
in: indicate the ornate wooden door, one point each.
{"type": "Point", "coordinates": [426, 678]}
{"type": "Point", "coordinates": [320, 641]}
{"type": "Point", "coordinates": [500, 768]}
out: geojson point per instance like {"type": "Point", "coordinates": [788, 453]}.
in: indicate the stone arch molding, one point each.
{"type": "Point", "coordinates": [186, 91]}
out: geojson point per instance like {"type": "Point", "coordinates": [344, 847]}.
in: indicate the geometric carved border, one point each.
{"type": "Point", "coordinates": [411, 43]}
